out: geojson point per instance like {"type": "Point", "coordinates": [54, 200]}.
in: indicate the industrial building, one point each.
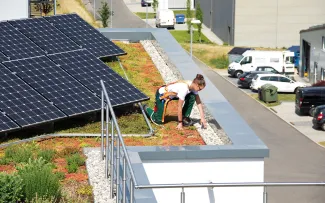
{"type": "Point", "coordinates": [312, 57]}
{"type": "Point", "coordinates": [261, 23]}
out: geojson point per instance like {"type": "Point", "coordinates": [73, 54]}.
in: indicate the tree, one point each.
{"type": "Point", "coordinates": [188, 15]}
{"type": "Point", "coordinates": [155, 4]}
{"type": "Point", "coordinates": [104, 13]}
{"type": "Point", "coordinates": [199, 16]}
{"type": "Point", "coordinates": [45, 6]}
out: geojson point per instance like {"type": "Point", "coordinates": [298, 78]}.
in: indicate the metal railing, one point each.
{"type": "Point", "coordinates": [114, 150]}
{"type": "Point", "coordinates": [111, 152]}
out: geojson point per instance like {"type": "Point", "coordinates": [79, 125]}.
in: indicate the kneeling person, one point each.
{"type": "Point", "coordinates": [186, 92]}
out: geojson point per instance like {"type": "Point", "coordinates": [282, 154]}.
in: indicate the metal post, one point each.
{"type": "Point", "coordinates": [107, 144]}
{"type": "Point", "coordinates": [264, 195]}
{"type": "Point", "coordinates": [131, 191]}
{"type": "Point", "coordinates": [117, 168]}
{"type": "Point", "coordinates": [147, 15]}
{"type": "Point", "coordinates": [112, 161]}
{"type": "Point", "coordinates": [124, 179]}
{"type": "Point", "coordinates": [54, 12]}
{"type": "Point", "coordinates": [94, 10]}
{"type": "Point", "coordinates": [191, 40]}
{"type": "Point", "coordinates": [182, 196]}
{"type": "Point", "coordinates": [102, 125]}
{"type": "Point", "coordinates": [111, 13]}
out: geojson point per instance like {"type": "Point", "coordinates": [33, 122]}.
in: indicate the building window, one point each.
{"type": "Point", "coordinates": [323, 43]}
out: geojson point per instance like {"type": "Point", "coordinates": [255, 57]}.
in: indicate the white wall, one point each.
{"type": "Point", "coordinates": [171, 4]}
{"type": "Point", "coordinates": [276, 23]}
{"type": "Point", "coordinates": [198, 171]}
{"type": "Point", "coordinates": [13, 9]}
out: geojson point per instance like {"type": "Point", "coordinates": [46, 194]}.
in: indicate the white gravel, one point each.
{"type": "Point", "coordinates": [213, 135]}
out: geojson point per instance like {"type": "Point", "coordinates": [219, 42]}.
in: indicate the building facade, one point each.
{"type": "Point", "coordinates": [312, 57]}
{"type": "Point", "coordinates": [174, 4]}
{"type": "Point", "coordinates": [14, 9]}
{"type": "Point", "coordinates": [261, 23]}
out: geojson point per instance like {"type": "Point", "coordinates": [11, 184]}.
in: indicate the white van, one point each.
{"type": "Point", "coordinates": [165, 18]}
{"type": "Point", "coordinates": [282, 61]}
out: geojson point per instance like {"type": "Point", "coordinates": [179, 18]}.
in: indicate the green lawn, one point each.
{"type": "Point", "coordinates": [281, 97]}
{"type": "Point", "coordinates": [142, 15]}
{"type": "Point", "coordinates": [182, 36]}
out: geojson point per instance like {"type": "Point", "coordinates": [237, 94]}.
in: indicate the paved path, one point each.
{"type": "Point", "coordinates": [293, 157]}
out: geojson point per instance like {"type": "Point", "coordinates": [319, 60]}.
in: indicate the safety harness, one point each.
{"type": "Point", "coordinates": [165, 97]}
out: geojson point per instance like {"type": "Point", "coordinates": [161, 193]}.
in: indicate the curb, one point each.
{"type": "Point", "coordinates": [269, 108]}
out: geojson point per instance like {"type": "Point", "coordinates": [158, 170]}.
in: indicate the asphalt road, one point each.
{"type": "Point", "coordinates": [293, 157]}
{"type": "Point", "coordinates": [122, 17]}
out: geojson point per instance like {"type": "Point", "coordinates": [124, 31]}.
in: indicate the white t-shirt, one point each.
{"type": "Point", "coordinates": [182, 89]}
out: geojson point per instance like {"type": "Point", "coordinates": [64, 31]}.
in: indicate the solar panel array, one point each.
{"type": "Point", "coordinates": [86, 36]}
{"type": "Point", "coordinates": [89, 70]}
{"type": "Point", "coordinates": [47, 72]}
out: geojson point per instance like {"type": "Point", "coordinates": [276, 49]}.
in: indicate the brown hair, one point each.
{"type": "Point", "coordinates": [199, 80]}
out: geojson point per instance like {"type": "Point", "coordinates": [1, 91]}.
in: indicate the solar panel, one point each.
{"type": "Point", "coordinates": [85, 35]}
{"type": "Point", "coordinates": [89, 70]}
{"type": "Point", "coordinates": [3, 57]}
{"type": "Point", "coordinates": [16, 45]}
{"type": "Point", "coordinates": [6, 123]}
{"type": "Point", "coordinates": [45, 35]}
{"type": "Point", "coordinates": [22, 103]}
{"type": "Point", "coordinates": [56, 85]}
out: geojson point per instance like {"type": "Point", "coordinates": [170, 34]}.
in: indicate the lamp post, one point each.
{"type": "Point", "coordinates": [111, 13]}
{"type": "Point", "coordinates": [147, 15]}
{"type": "Point", "coordinates": [193, 22]}
{"type": "Point", "coordinates": [94, 9]}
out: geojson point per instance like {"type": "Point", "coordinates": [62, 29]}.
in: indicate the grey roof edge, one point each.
{"type": "Point", "coordinates": [313, 28]}
{"type": "Point", "coordinates": [217, 104]}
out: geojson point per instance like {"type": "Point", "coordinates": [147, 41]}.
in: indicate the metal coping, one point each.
{"type": "Point", "coordinates": [246, 144]}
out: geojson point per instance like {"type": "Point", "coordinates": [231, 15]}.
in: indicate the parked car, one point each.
{"type": "Point", "coordinates": [308, 98]}
{"type": "Point", "coordinates": [319, 117]}
{"type": "Point", "coordinates": [165, 18]}
{"type": "Point", "coordinates": [283, 83]}
{"type": "Point", "coordinates": [180, 18]}
{"type": "Point", "coordinates": [145, 3]}
{"type": "Point", "coordinates": [245, 79]}
{"type": "Point", "coordinates": [267, 68]}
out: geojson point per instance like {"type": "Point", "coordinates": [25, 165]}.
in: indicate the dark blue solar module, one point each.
{"type": "Point", "coordinates": [6, 123]}
{"type": "Point", "coordinates": [85, 35]}
{"type": "Point", "coordinates": [56, 85]}
{"type": "Point", "coordinates": [89, 70]}
{"type": "Point", "coordinates": [22, 103]}
{"type": "Point", "coordinates": [45, 35]}
{"type": "Point", "coordinates": [3, 57]}
{"type": "Point", "coordinates": [16, 45]}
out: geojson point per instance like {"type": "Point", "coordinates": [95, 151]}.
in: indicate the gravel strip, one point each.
{"type": "Point", "coordinates": [96, 173]}
{"type": "Point", "coordinates": [213, 135]}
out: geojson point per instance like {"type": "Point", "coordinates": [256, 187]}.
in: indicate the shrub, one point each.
{"type": "Point", "coordinates": [60, 175]}
{"type": "Point", "coordinates": [85, 190]}
{"type": "Point", "coordinates": [220, 62]}
{"type": "Point", "coordinates": [18, 154]}
{"type": "Point", "coordinates": [68, 151]}
{"type": "Point", "coordinates": [38, 180]}
{"type": "Point", "coordinates": [74, 161]}
{"type": "Point", "coordinates": [47, 155]}
{"type": "Point", "coordinates": [11, 189]}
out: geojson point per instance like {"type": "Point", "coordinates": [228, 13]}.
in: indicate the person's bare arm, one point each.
{"type": "Point", "coordinates": [199, 105]}
{"type": "Point", "coordinates": [179, 114]}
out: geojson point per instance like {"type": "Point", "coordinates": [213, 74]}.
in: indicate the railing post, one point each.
{"type": "Point", "coordinates": [112, 162]}
{"type": "Point", "coordinates": [131, 191]}
{"type": "Point", "coordinates": [124, 179]}
{"type": "Point", "coordinates": [264, 195]}
{"type": "Point", "coordinates": [117, 168]}
{"type": "Point", "coordinates": [107, 145]}
{"type": "Point", "coordinates": [182, 196]}
{"type": "Point", "coordinates": [102, 125]}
